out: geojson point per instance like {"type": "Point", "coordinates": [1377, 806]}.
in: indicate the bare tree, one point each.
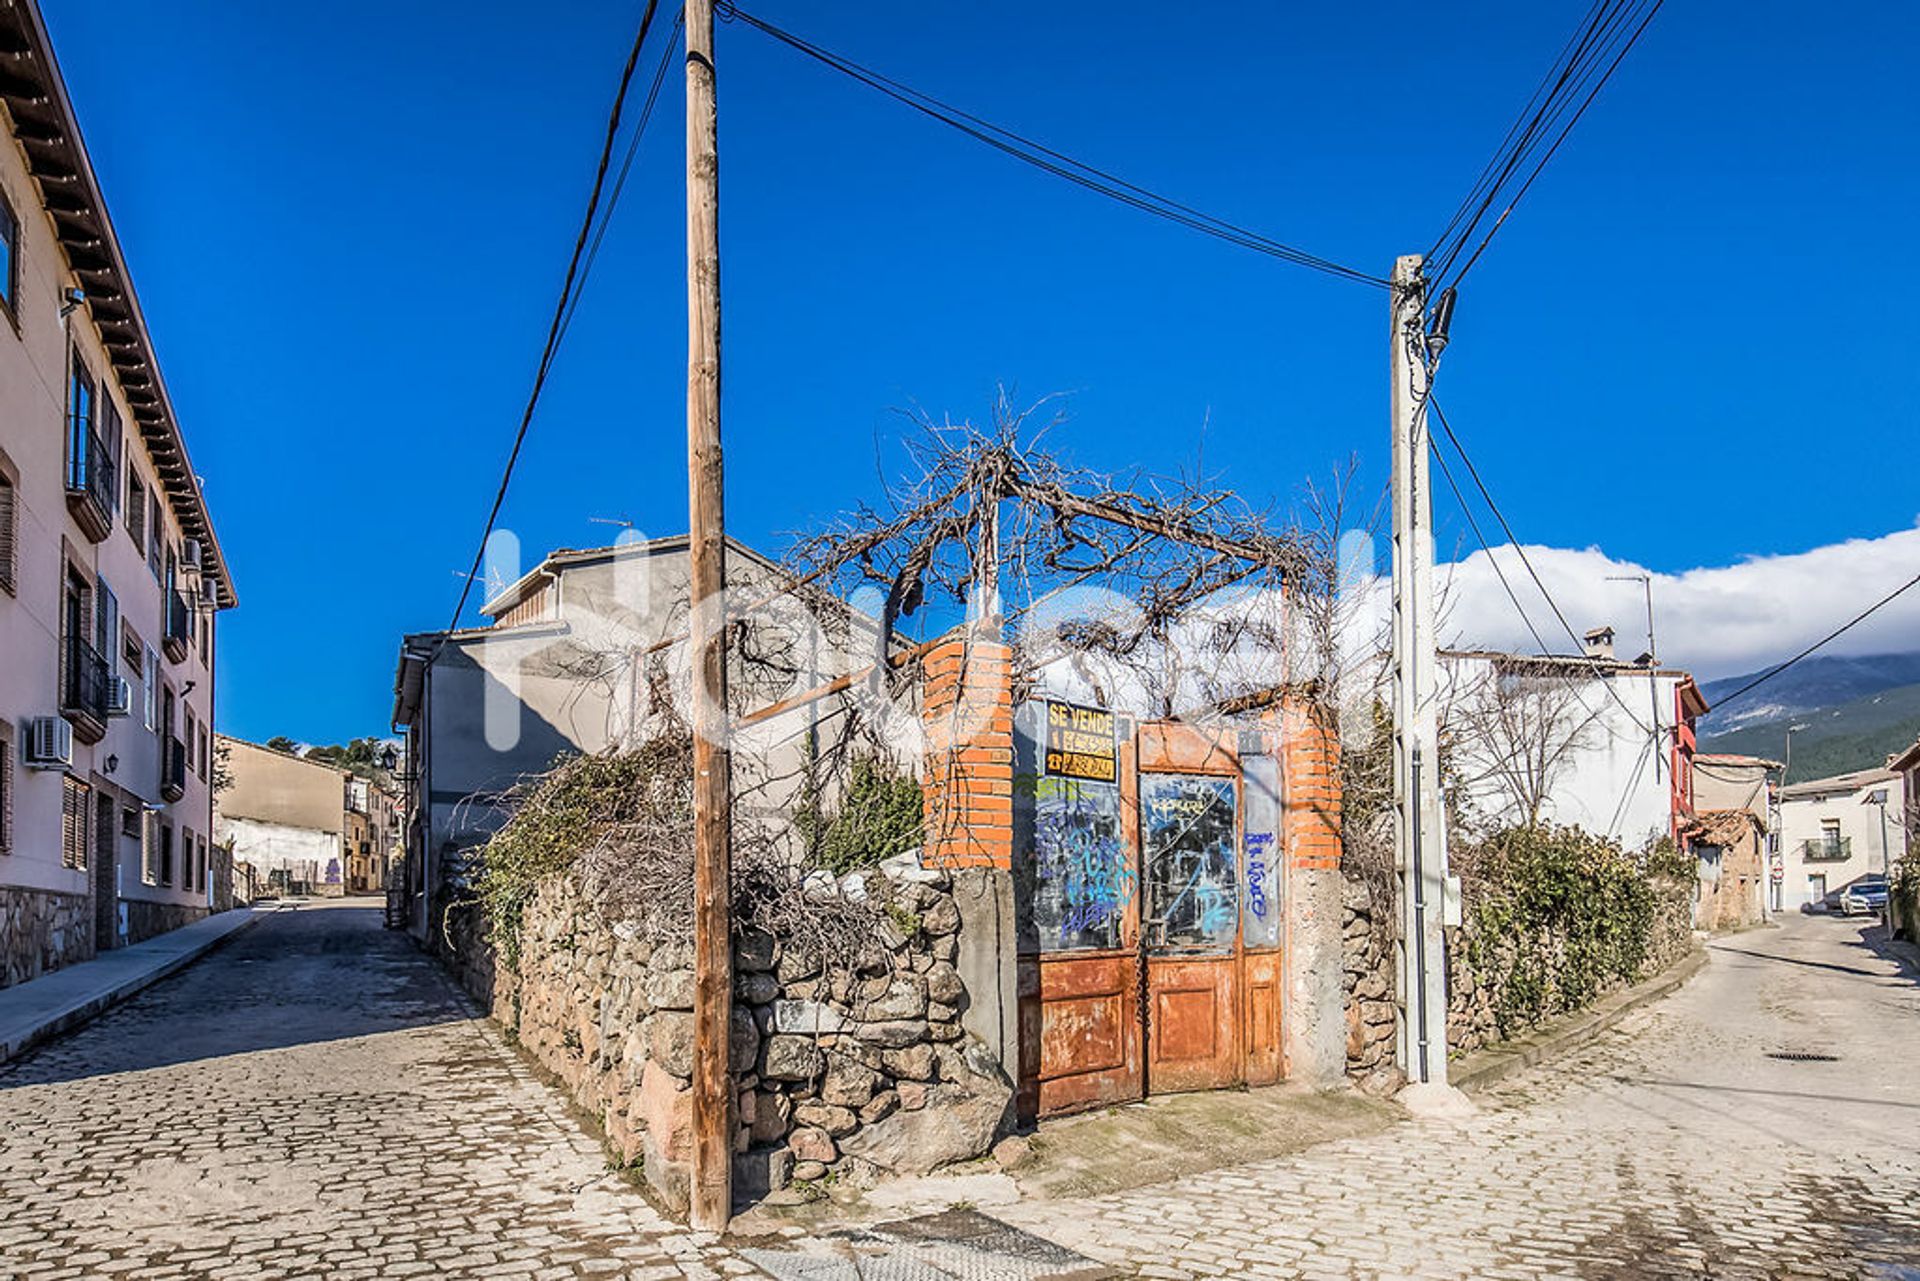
{"type": "Point", "coordinates": [1515, 726]}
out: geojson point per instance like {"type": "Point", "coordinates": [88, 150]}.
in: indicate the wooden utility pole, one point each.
{"type": "Point", "coordinates": [1416, 764]}
{"type": "Point", "coordinates": [712, 1183]}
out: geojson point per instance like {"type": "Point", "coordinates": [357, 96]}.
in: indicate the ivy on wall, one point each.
{"type": "Point", "coordinates": [879, 816]}
{"type": "Point", "coordinates": [1557, 916]}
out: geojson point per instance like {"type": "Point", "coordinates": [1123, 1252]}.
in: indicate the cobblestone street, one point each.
{"type": "Point", "coordinates": [312, 1100]}
{"type": "Point", "coordinates": [1674, 1146]}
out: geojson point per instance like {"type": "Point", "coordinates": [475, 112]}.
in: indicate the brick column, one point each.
{"type": "Point", "coordinates": [1316, 1021]}
{"type": "Point", "coordinates": [967, 777]}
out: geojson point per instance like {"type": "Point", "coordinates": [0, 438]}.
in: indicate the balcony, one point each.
{"type": "Point", "coordinates": [90, 482]}
{"type": "Point", "coordinates": [178, 639]}
{"type": "Point", "coordinates": [173, 770]}
{"type": "Point", "coordinates": [84, 681]}
{"type": "Point", "coordinates": [1827, 849]}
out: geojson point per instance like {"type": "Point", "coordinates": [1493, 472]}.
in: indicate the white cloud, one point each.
{"type": "Point", "coordinates": [1715, 620]}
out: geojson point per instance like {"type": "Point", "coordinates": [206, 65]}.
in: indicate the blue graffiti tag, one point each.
{"type": "Point", "coordinates": [1259, 850]}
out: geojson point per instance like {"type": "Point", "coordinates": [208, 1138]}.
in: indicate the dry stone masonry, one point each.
{"type": "Point", "coordinates": [857, 1071]}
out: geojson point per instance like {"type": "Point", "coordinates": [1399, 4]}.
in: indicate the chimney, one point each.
{"type": "Point", "coordinates": [1600, 643]}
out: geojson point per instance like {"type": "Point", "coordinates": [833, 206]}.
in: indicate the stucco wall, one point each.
{"type": "Point", "coordinates": [34, 342]}
{"type": "Point", "coordinates": [1802, 819]}
{"type": "Point", "coordinates": [303, 853]}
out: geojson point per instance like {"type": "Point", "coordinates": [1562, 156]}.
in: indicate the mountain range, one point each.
{"type": "Point", "coordinates": [1856, 712]}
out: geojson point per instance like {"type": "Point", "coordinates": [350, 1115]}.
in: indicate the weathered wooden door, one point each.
{"type": "Point", "coordinates": [1150, 960]}
{"type": "Point", "coordinates": [1189, 836]}
{"type": "Point", "coordinates": [1077, 873]}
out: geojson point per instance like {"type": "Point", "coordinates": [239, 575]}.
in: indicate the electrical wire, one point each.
{"type": "Point", "coordinates": [1608, 33]}
{"type": "Point", "coordinates": [1046, 159]}
{"type": "Point", "coordinates": [1525, 560]}
{"type": "Point", "coordinates": [561, 309]}
{"type": "Point", "coordinates": [1831, 636]}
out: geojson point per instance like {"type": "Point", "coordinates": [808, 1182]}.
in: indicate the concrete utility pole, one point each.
{"type": "Point", "coordinates": [712, 1184]}
{"type": "Point", "coordinates": [1416, 767]}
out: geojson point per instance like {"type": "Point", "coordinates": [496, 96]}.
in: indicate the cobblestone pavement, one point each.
{"type": "Point", "coordinates": [1674, 1146]}
{"type": "Point", "coordinates": [312, 1100]}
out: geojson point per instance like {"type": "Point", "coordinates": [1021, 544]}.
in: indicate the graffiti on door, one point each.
{"type": "Point", "coordinates": [1187, 831]}
{"type": "Point", "coordinates": [1083, 879]}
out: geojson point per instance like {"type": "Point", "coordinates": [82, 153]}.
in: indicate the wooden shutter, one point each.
{"type": "Point", "coordinates": [9, 522]}
{"type": "Point", "coordinates": [74, 826]}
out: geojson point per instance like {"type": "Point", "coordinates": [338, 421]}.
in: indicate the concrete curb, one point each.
{"type": "Point", "coordinates": [1497, 1062]}
{"type": "Point", "coordinates": [73, 1001]}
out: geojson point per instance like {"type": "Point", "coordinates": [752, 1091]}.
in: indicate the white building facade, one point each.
{"type": "Point", "coordinates": [1833, 831]}
{"type": "Point", "coordinates": [1579, 741]}
{"type": "Point", "coordinates": [110, 574]}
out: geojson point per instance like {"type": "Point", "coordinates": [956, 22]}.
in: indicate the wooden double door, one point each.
{"type": "Point", "coordinates": [1153, 963]}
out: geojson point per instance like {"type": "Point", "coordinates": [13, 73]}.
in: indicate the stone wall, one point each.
{"type": "Point", "coordinates": [41, 931]}
{"type": "Point", "coordinates": [1368, 983]}
{"type": "Point", "coordinates": [1472, 1004]}
{"type": "Point", "coordinates": [150, 920]}
{"type": "Point", "coordinates": [860, 1073]}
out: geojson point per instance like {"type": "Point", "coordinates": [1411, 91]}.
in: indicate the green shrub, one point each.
{"type": "Point", "coordinates": [879, 816]}
{"type": "Point", "coordinates": [1564, 914]}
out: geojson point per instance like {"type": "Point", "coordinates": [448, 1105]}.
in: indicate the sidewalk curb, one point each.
{"type": "Point", "coordinates": [1497, 1062]}
{"type": "Point", "coordinates": [86, 1009]}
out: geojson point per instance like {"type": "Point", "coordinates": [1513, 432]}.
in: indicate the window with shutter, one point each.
{"type": "Point", "coordinates": [136, 510]}
{"type": "Point", "coordinates": [6, 788]}
{"type": "Point", "coordinates": [115, 440]}
{"type": "Point", "coordinates": [106, 631]}
{"type": "Point", "coordinates": [74, 825]}
{"type": "Point", "coordinates": [9, 526]}
{"type": "Point", "coordinates": [156, 531]}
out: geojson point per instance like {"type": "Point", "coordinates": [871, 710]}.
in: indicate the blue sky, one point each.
{"type": "Point", "coordinates": [347, 224]}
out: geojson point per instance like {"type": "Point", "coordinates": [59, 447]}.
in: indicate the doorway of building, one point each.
{"type": "Point", "coordinates": [1151, 917]}
{"type": "Point", "coordinates": [106, 870]}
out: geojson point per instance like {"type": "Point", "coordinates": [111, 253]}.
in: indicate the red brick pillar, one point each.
{"type": "Point", "coordinates": [1310, 768]}
{"type": "Point", "coordinates": [1316, 1028]}
{"type": "Point", "coordinates": [967, 711]}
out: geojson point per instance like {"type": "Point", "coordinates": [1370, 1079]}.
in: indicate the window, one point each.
{"type": "Point", "coordinates": [9, 527]}
{"type": "Point", "coordinates": [75, 829]}
{"type": "Point", "coordinates": [9, 258]}
{"type": "Point", "coordinates": [192, 738]}
{"type": "Point", "coordinates": [205, 755]}
{"type": "Point", "coordinates": [79, 422]}
{"type": "Point", "coordinates": [149, 848]}
{"type": "Point", "coordinates": [106, 623]}
{"type": "Point", "coordinates": [156, 531]}
{"type": "Point", "coordinates": [200, 858]}
{"type": "Point", "coordinates": [114, 438]}
{"type": "Point", "coordinates": [130, 648]}
{"type": "Point", "coordinates": [150, 685]}
{"type": "Point", "coordinates": [136, 510]}
{"type": "Point", "coordinates": [6, 788]}
{"type": "Point", "coordinates": [166, 854]}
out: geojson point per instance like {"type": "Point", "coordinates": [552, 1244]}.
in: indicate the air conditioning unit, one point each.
{"type": "Point", "coordinates": [119, 697]}
{"type": "Point", "coordinates": [209, 593]}
{"type": "Point", "coordinates": [190, 553]}
{"type": "Point", "coordinates": [49, 743]}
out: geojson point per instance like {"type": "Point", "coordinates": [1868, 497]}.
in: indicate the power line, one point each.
{"type": "Point", "coordinates": [561, 308]}
{"type": "Point", "coordinates": [1578, 67]}
{"type": "Point", "coordinates": [1474, 525]}
{"type": "Point", "coordinates": [1831, 636]}
{"type": "Point", "coordinates": [1057, 163]}
{"type": "Point", "coordinates": [1525, 560]}
{"type": "Point", "coordinates": [626, 167]}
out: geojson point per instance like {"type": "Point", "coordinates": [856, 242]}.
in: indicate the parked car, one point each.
{"type": "Point", "coordinates": [1868, 894]}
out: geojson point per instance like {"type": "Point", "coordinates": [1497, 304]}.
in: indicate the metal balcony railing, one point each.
{"type": "Point", "coordinates": [84, 687]}
{"type": "Point", "coordinates": [1827, 849]}
{"type": "Point", "coordinates": [90, 481]}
